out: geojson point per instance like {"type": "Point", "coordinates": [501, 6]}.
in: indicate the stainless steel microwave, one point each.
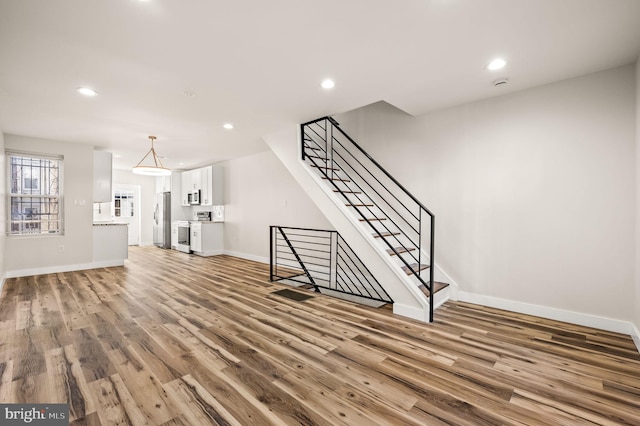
{"type": "Point", "coordinates": [194, 197]}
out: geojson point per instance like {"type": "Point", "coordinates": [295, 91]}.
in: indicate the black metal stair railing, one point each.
{"type": "Point", "coordinates": [394, 215]}
{"type": "Point", "coordinates": [323, 260]}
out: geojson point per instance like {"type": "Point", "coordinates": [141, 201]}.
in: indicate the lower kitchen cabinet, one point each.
{"type": "Point", "coordinates": [207, 238]}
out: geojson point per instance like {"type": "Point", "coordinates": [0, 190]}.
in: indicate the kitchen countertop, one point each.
{"type": "Point", "coordinates": [204, 221]}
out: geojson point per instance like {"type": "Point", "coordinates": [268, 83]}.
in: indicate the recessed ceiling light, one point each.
{"type": "Point", "coordinates": [496, 64]}
{"type": "Point", "coordinates": [228, 126]}
{"type": "Point", "coordinates": [87, 91]}
{"type": "Point", "coordinates": [328, 84]}
{"type": "Point", "coordinates": [189, 94]}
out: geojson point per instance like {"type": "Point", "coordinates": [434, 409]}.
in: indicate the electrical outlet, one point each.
{"type": "Point", "coordinates": [60, 248]}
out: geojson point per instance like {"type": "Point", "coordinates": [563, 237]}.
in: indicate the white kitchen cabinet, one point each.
{"type": "Point", "coordinates": [206, 238]}
{"type": "Point", "coordinates": [102, 170]}
{"type": "Point", "coordinates": [196, 180]}
{"type": "Point", "coordinates": [195, 237]}
{"type": "Point", "coordinates": [217, 187]}
{"type": "Point", "coordinates": [206, 195]}
{"type": "Point", "coordinates": [185, 186]}
{"type": "Point", "coordinates": [163, 184]}
{"type": "Point", "coordinates": [206, 179]}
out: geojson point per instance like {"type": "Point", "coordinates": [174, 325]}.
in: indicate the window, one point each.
{"type": "Point", "coordinates": [35, 192]}
{"type": "Point", "coordinates": [123, 204]}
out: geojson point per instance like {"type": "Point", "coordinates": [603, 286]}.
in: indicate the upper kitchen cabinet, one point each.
{"type": "Point", "coordinates": [185, 187]}
{"type": "Point", "coordinates": [206, 185]}
{"type": "Point", "coordinates": [212, 188]}
{"type": "Point", "coordinates": [207, 180]}
{"type": "Point", "coordinates": [191, 183]}
{"type": "Point", "coordinates": [217, 185]}
{"type": "Point", "coordinates": [163, 184]}
{"type": "Point", "coordinates": [102, 172]}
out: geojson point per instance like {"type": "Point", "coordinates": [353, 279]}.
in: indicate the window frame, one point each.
{"type": "Point", "coordinates": [10, 195]}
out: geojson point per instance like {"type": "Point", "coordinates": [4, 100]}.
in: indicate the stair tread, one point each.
{"type": "Point", "coordinates": [437, 286]}
{"type": "Point", "coordinates": [347, 192]}
{"type": "Point", "coordinates": [385, 234]}
{"type": "Point", "coordinates": [358, 205]}
{"type": "Point", "coordinates": [400, 250]}
{"type": "Point", "coordinates": [414, 266]}
{"type": "Point", "coordinates": [372, 219]}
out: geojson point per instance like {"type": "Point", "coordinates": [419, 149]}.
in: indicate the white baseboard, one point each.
{"type": "Point", "coordinates": [246, 256]}
{"type": "Point", "coordinates": [578, 318]}
{"type": "Point", "coordinates": [208, 253]}
{"type": "Point", "coordinates": [412, 312]}
{"type": "Point", "coordinates": [63, 268]}
{"type": "Point", "coordinates": [635, 335]}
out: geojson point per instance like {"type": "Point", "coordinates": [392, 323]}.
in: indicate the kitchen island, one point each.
{"type": "Point", "coordinates": [110, 244]}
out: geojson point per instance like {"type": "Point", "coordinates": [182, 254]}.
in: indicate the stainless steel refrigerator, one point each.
{"type": "Point", "coordinates": [162, 220]}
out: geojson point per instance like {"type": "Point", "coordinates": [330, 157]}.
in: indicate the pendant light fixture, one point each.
{"type": "Point", "coordinates": [155, 169]}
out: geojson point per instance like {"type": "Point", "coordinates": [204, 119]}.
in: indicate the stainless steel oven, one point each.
{"type": "Point", "coordinates": [183, 243]}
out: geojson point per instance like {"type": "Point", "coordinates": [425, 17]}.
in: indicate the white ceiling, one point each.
{"type": "Point", "coordinates": [258, 64]}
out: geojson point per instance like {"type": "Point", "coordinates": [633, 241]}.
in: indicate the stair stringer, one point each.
{"type": "Point", "coordinates": [409, 301]}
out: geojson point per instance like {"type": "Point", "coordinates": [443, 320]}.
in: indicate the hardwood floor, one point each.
{"type": "Point", "coordinates": [174, 339]}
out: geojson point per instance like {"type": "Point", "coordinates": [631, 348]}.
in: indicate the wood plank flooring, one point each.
{"type": "Point", "coordinates": [174, 339]}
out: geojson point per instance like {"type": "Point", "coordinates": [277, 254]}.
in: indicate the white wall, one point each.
{"type": "Point", "coordinates": [260, 192]}
{"type": "Point", "coordinates": [147, 203]}
{"type": "Point", "coordinates": [3, 207]}
{"type": "Point", "coordinates": [33, 252]}
{"type": "Point", "coordinates": [533, 192]}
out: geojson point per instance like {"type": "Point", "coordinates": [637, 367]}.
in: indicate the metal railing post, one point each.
{"type": "Point", "coordinates": [271, 253]}
{"type": "Point", "coordinates": [431, 263]}
{"type": "Point", "coordinates": [302, 141]}
{"type": "Point", "coordinates": [330, 147]}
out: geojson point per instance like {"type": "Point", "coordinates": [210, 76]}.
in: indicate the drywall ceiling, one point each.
{"type": "Point", "coordinates": [181, 69]}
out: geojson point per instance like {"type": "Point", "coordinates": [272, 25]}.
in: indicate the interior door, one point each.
{"type": "Point", "coordinates": [126, 209]}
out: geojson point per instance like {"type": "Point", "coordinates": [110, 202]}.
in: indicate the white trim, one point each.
{"type": "Point", "coordinates": [208, 253]}
{"type": "Point", "coordinates": [608, 324]}
{"type": "Point", "coordinates": [63, 268]}
{"type": "Point", "coordinates": [247, 256]}
{"type": "Point", "coordinates": [635, 335]}
{"type": "Point", "coordinates": [412, 312]}
{"type": "Point", "coordinates": [2, 281]}
{"type": "Point", "coordinates": [441, 297]}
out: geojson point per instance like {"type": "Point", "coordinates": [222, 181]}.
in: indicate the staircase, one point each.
{"type": "Point", "coordinates": [399, 225]}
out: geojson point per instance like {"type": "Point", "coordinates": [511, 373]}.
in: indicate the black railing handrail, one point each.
{"type": "Point", "coordinates": [370, 158]}
{"type": "Point", "coordinates": [333, 139]}
{"type": "Point", "coordinates": [391, 247]}
{"type": "Point", "coordinates": [375, 190]}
